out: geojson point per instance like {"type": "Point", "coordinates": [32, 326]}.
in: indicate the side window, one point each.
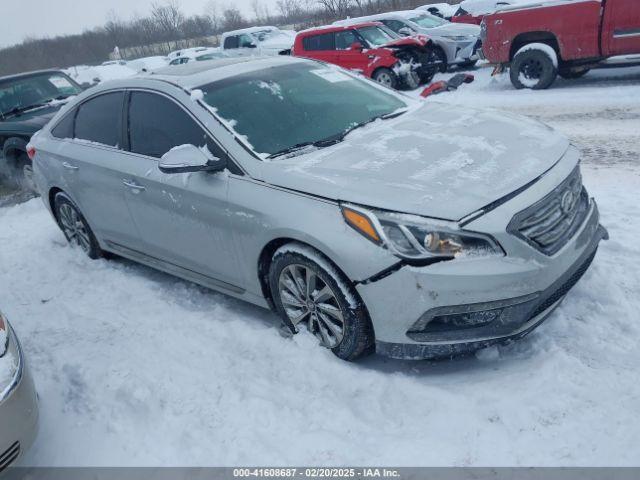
{"type": "Point", "coordinates": [394, 25]}
{"type": "Point", "coordinates": [345, 39]}
{"type": "Point", "coordinates": [319, 42]}
{"type": "Point", "coordinates": [156, 125]}
{"type": "Point", "coordinates": [231, 42]}
{"type": "Point", "coordinates": [100, 119]}
{"type": "Point", "coordinates": [64, 129]}
{"type": "Point", "coordinates": [245, 41]}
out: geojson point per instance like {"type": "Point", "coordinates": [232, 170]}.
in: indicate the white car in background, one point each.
{"type": "Point", "coordinates": [442, 10]}
{"type": "Point", "coordinates": [198, 56]}
{"type": "Point", "coordinates": [258, 41]}
{"type": "Point", "coordinates": [456, 43]}
{"type": "Point", "coordinates": [148, 64]}
{"type": "Point", "coordinates": [186, 52]}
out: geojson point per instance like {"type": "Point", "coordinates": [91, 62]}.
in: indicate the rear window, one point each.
{"type": "Point", "coordinates": [231, 42]}
{"type": "Point", "coordinates": [99, 120]}
{"type": "Point", "coordinates": [318, 42]}
{"type": "Point", "coordinates": [64, 129]}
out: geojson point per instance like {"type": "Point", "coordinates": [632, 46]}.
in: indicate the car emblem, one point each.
{"type": "Point", "coordinates": [567, 201]}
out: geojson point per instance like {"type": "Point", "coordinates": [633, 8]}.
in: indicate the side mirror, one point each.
{"type": "Point", "coordinates": [405, 32]}
{"type": "Point", "coordinates": [251, 45]}
{"type": "Point", "coordinates": [189, 158]}
{"type": "Point", "coordinates": [357, 46]}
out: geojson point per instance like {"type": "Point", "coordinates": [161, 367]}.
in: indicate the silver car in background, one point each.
{"type": "Point", "coordinates": [18, 401]}
{"type": "Point", "coordinates": [374, 220]}
{"type": "Point", "coordinates": [457, 43]}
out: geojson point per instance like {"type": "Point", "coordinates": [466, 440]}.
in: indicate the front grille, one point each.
{"type": "Point", "coordinates": [550, 223]}
{"type": "Point", "coordinates": [9, 456]}
{"type": "Point", "coordinates": [563, 289]}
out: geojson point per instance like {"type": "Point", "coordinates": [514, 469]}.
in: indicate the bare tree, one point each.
{"type": "Point", "coordinates": [212, 11]}
{"type": "Point", "coordinates": [232, 18]}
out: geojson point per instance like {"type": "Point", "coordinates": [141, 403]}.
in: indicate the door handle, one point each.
{"type": "Point", "coordinates": [133, 185]}
{"type": "Point", "coordinates": [68, 166]}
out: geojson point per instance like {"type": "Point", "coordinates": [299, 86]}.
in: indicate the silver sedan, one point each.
{"type": "Point", "coordinates": [18, 403]}
{"type": "Point", "coordinates": [372, 220]}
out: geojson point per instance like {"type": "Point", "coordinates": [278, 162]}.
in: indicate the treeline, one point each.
{"type": "Point", "coordinates": [167, 28]}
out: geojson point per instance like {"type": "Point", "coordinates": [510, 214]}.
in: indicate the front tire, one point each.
{"type": "Point", "coordinates": [440, 56]}
{"type": "Point", "coordinates": [309, 292]}
{"type": "Point", "coordinates": [75, 227]}
{"type": "Point", "coordinates": [386, 77]}
{"type": "Point", "coordinates": [534, 69]}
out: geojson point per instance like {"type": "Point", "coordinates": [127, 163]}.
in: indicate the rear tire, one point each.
{"type": "Point", "coordinates": [75, 227]}
{"type": "Point", "coordinates": [386, 77]}
{"type": "Point", "coordinates": [533, 69]}
{"type": "Point", "coordinates": [308, 291]}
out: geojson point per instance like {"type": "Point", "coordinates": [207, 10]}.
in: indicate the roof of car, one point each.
{"type": "Point", "coordinates": [29, 74]}
{"type": "Point", "coordinates": [337, 26]}
{"type": "Point", "coordinates": [404, 14]}
{"type": "Point", "coordinates": [250, 30]}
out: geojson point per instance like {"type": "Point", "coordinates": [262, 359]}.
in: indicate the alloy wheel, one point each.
{"type": "Point", "coordinates": [308, 300]}
{"type": "Point", "coordinates": [74, 228]}
{"type": "Point", "coordinates": [385, 79]}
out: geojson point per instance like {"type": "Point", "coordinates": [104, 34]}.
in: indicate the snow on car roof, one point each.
{"type": "Point", "coordinates": [404, 14]}
{"type": "Point", "coordinates": [250, 30]}
{"type": "Point", "coordinates": [526, 4]}
{"type": "Point", "coordinates": [357, 22]}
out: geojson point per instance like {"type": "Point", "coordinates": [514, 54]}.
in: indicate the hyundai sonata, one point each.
{"type": "Point", "coordinates": [374, 221]}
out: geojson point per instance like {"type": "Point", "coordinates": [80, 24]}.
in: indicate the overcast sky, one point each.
{"type": "Point", "coordinates": [43, 18]}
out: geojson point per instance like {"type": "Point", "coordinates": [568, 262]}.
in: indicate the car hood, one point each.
{"type": "Point", "coordinates": [29, 122]}
{"type": "Point", "coordinates": [282, 41]}
{"type": "Point", "coordinates": [454, 29]}
{"type": "Point", "coordinates": [436, 160]}
{"type": "Point", "coordinates": [413, 41]}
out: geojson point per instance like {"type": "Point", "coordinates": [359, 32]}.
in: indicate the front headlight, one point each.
{"type": "Point", "coordinates": [416, 239]}
{"type": "Point", "coordinates": [4, 335]}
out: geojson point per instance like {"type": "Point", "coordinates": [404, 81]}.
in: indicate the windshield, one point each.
{"type": "Point", "coordinates": [23, 93]}
{"type": "Point", "coordinates": [282, 107]}
{"type": "Point", "coordinates": [376, 35]}
{"type": "Point", "coordinates": [428, 21]}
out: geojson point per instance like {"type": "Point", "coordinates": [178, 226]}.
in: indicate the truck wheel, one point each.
{"type": "Point", "coordinates": [534, 67]}
{"type": "Point", "coordinates": [386, 77]}
{"type": "Point", "coordinates": [572, 73]}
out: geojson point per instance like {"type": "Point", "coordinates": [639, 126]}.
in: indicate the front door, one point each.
{"type": "Point", "coordinates": [182, 218]}
{"type": "Point", "coordinates": [347, 52]}
{"type": "Point", "coordinates": [621, 32]}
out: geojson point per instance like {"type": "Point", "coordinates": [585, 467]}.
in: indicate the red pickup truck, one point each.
{"type": "Point", "coordinates": [561, 37]}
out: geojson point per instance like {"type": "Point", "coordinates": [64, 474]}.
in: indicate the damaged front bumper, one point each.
{"type": "Point", "coordinates": [452, 308]}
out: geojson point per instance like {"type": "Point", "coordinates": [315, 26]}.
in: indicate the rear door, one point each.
{"type": "Point", "coordinates": [182, 218]}
{"type": "Point", "coordinates": [621, 27]}
{"type": "Point", "coordinates": [346, 55]}
{"type": "Point", "coordinates": [320, 47]}
{"type": "Point", "coordinates": [92, 160]}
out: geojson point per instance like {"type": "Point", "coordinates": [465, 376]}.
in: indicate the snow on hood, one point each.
{"type": "Point", "coordinates": [281, 40]}
{"type": "Point", "coordinates": [438, 161]}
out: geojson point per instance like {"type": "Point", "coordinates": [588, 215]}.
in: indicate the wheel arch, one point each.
{"type": "Point", "coordinates": [523, 39]}
{"type": "Point", "coordinates": [266, 256]}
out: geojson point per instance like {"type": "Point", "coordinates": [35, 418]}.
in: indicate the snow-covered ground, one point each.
{"type": "Point", "coordinates": [100, 73]}
{"type": "Point", "coordinates": [135, 367]}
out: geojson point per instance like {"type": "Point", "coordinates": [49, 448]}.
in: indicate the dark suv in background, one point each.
{"type": "Point", "coordinates": [27, 103]}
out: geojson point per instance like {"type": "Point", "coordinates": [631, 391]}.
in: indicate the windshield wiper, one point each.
{"type": "Point", "coordinates": [337, 138]}
{"type": "Point", "coordinates": [19, 110]}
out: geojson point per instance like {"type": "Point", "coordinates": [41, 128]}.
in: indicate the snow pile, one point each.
{"type": "Point", "coordinates": [101, 73]}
